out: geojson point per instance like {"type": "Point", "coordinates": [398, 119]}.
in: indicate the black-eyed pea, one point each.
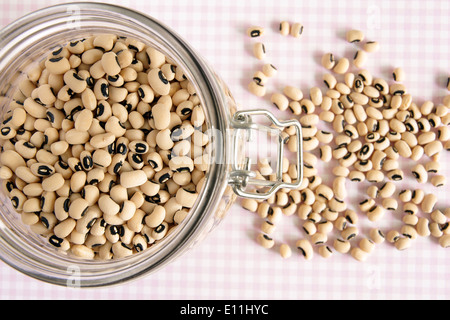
{"type": "Point", "coordinates": [351, 216]}
{"type": "Point", "coordinates": [78, 181]}
{"type": "Point", "coordinates": [319, 239]}
{"type": "Point", "coordinates": [367, 245]}
{"type": "Point", "coordinates": [387, 190]}
{"type": "Point", "coordinates": [57, 65]}
{"type": "Point", "coordinates": [289, 209]}
{"type": "Point", "coordinates": [433, 148]}
{"type": "Point", "coordinates": [285, 28]}
{"type": "Point", "coordinates": [186, 198]}
{"type": "Point", "coordinates": [436, 230]}
{"type": "Point", "coordinates": [59, 243]}
{"type": "Point", "coordinates": [296, 30]}
{"type": "Point", "coordinates": [417, 196]}
{"type": "Point", "coordinates": [310, 143]}
{"type": "Point", "coordinates": [263, 210]}
{"type": "Point", "coordinates": [319, 206]}
{"type": "Point", "coordinates": [256, 89]}
{"type": "Point", "coordinates": [285, 251]}
{"type": "Point", "coordinates": [139, 243]}
{"type": "Point", "coordinates": [395, 175]}
{"type": "Point", "coordinates": [308, 196]}
{"type": "Point", "coordinates": [337, 107]}
{"type": "Point", "coordinates": [405, 195]}
{"type": "Point", "coordinates": [85, 223]}
{"type": "Point", "coordinates": [434, 120]}
{"type": "Point", "coordinates": [180, 216]}
{"type": "Point", "coordinates": [433, 167]}
{"type": "Point", "coordinates": [259, 50]}
{"type": "Point", "coordinates": [399, 75]}
{"type": "Point", "coordinates": [90, 193]}
{"type": "Point", "coordinates": [48, 201]}
{"type": "Point", "coordinates": [390, 204]}
{"type": "Point", "coordinates": [316, 96]}
{"type": "Point", "coordinates": [78, 208]}
{"type": "Point", "coordinates": [357, 176]}
{"type": "Point", "coordinates": [349, 115]}
{"type": "Point", "coordinates": [250, 205]}
{"type": "Point", "coordinates": [158, 82]}
{"type": "Point", "coordinates": [377, 236]}
{"type": "Point", "coordinates": [339, 123]}
{"type": "Point", "coordinates": [360, 59]}
{"type": "Point", "coordinates": [359, 254]}
{"type": "Point", "coordinates": [133, 179]}
{"type": "Point", "coordinates": [303, 211]}
{"type": "Point", "coordinates": [409, 232]}
{"type": "Point", "coordinates": [378, 159]}
{"type": "Point", "coordinates": [410, 208]}
{"type": "Point", "coordinates": [280, 101]}
{"type": "Point", "coordinates": [121, 250]}
{"type": "Point", "coordinates": [268, 227]}
{"type": "Point", "coordinates": [359, 98]}
{"type": "Point", "coordinates": [305, 248]}
{"type": "Point", "coordinates": [6, 173]}
{"type": "Point", "coordinates": [275, 215]}
{"type": "Point", "coordinates": [330, 215]}
{"type": "Point", "coordinates": [444, 241]}
{"type": "Point", "coordinates": [383, 143]}
{"type": "Point", "coordinates": [331, 83]}
{"type": "Point", "coordinates": [390, 165]}
{"type": "Point", "coordinates": [269, 70]}
{"type": "Point", "coordinates": [328, 61]}
{"type": "Point", "coordinates": [443, 133]}
{"type": "Point", "coordinates": [403, 243]}
{"type": "Point", "coordinates": [342, 246]}
{"type": "Point", "coordinates": [354, 36]}
{"type": "Point", "coordinates": [393, 236]}
{"type": "Point", "coordinates": [341, 171]}
{"type": "Point", "coordinates": [428, 203]}
{"type": "Point", "coordinates": [438, 217]}
{"type": "Point", "coordinates": [371, 46]}
{"type": "Point", "coordinates": [324, 192]}
{"type": "Point", "coordinates": [341, 223]}
{"type": "Point", "coordinates": [265, 241]}
{"type": "Point", "coordinates": [375, 176]}
{"type": "Point", "coordinates": [326, 153]}
{"type": "Point", "coordinates": [373, 191]}
{"type": "Point", "coordinates": [53, 182]}
{"type": "Point", "coordinates": [349, 233]}
{"type": "Point", "coordinates": [29, 218]}
{"type": "Point", "coordinates": [64, 228]}
{"type": "Point", "coordinates": [134, 161]}
{"type": "Point", "coordinates": [419, 172]}
{"type": "Point", "coordinates": [293, 93]}
{"type": "Point", "coordinates": [339, 152]}
{"type": "Point", "coordinates": [342, 66]}
{"type": "Point", "coordinates": [438, 181]}
{"type": "Point", "coordinates": [325, 251]}
{"type": "Point", "coordinates": [309, 227]}
{"type": "Point", "coordinates": [314, 217]}
{"type": "Point", "coordinates": [325, 227]}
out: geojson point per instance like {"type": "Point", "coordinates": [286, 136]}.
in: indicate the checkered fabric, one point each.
{"type": "Point", "coordinates": [229, 264]}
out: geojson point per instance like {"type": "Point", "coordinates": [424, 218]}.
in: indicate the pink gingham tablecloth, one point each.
{"type": "Point", "coordinates": [413, 34]}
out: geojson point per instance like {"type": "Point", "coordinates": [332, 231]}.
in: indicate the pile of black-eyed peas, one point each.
{"type": "Point", "coordinates": [373, 127]}
{"type": "Point", "coordinates": [104, 150]}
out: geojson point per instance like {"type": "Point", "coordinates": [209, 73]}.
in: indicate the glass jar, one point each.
{"type": "Point", "coordinates": [30, 39]}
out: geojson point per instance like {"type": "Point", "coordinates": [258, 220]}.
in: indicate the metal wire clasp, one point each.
{"type": "Point", "coordinates": [241, 177]}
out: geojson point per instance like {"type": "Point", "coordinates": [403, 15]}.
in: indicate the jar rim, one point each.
{"type": "Point", "coordinates": [213, 99]}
